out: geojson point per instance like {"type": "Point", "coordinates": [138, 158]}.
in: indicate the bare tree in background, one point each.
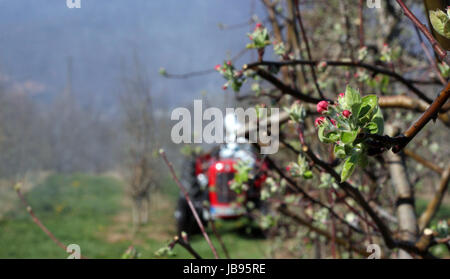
{"type": "Point", "coordinates": [139, 125]}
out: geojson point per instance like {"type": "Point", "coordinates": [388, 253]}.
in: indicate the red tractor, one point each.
{"type": "Point", "coordinates": [208, 178]}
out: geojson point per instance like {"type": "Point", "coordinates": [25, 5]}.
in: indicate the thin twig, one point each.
{"type": "Point", "coordinates": [423, 161]}
{"type": "Point", "coordinates": [308, 50]}
{"type": "Point", "coordinates": [219, 238]}
{"type": "Point", "coordinates": [38, 222]}
{"type": "Point", "coordinates": [361, 24]}
{"type": "Point", "coordinates": [435, 203]}
{"type": "Point", "coordinates": [429, 57]}
{"type": "Point", "coordinates": [374, 69]}
{"type": "Point", "coordinates": [340, 241]}
{"type": "Point", "coordinates": [436, 46]}
{"type": "Point", "coordinates": [185, 245]}
{"type": "Point", "coordinates": [309, 197]}
{"type": "Point", "coordinates": [202, 72]}
{"type": "Point", "coordinates": [189, 201]}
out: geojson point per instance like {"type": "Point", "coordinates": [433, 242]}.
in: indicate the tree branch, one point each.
{"type": "Point", "coordinates": [308, 50]}
{"type": "Point", "coordinates": [423, 161]}
{"type": "Point", "coordinates": [374, 69]}
{"type": "Point", "coordinates": [435, 203]}
{"type": "Point", "coordinates": [185, 245]}
{"type": "Point", "coordinates": [436, 46]}
{"type": "Point", "coordinates": [189, 201]}
{"type": "Point", "coordinates": [430, 113]}
{"type": "Point", "coordinates": [38, 222]}
{"type": "Point", "coordinates": [341, 241]}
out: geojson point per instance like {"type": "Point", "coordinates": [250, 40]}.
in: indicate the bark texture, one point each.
{"type": "Point", "coordinates": [405, 211]}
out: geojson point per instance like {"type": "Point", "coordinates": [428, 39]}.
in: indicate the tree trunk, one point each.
{"type": "Point", "coordinates": [407, 220]}
{"type": "Point", "coordinates": [140, 210]}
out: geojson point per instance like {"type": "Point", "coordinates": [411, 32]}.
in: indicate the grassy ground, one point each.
{"type": "Point", "coordinates": [91, 211]}
{"type": "Point", "coordinates": [76, 208]}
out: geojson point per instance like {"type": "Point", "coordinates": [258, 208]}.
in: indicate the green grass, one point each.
{"type": "Point", "coordinates": [76, 208]}
{"type": "Point", "coordinates": [82, 209]}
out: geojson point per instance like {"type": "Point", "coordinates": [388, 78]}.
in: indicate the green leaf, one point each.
{"type": "Point", "coordinates": [348, 137]}
{"type": "Point", "coordinates": [333, 136]}
{"type": "Point", "coordinates": [372, 127]}
{"type": "Point", "coordinates": [320, 134]}
{"type": "Point", "coordinates": [308, 174]}
{"type": "Point", "coordinates": [328, 138]}
{"type": "Point", "coordinates": [352, 99]}
{"type": "Point", "coordinates": [378, 119]}
{"type": "Point", "coordinates": [440, 22]}
{"type": "Point", "coordinates": [339, 152]}
{"type": "Point", "coordinates": [348, 148]}
{"type": "Point", "coordinates": [384, 84]}
{"type": "Point", "coordinates": [368, 104]}
{"type": "Point", "coordinates": [349, 166]}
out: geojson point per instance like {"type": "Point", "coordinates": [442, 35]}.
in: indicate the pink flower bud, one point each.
{"type": "Point", "coordinates": [346, 113]}
{"type": "Point", "coordinates": [341, 95]}
{"type": "Point", "coordinates": [333, 122]}
{"type": "Point", "coordinates": [258, 25]}
{"type": "Point", "coordinates": [229, 63]}
{"type": "Point", "coordinates": [217, 67]}
{"type": "Point", "coordinates": [319, 121]}
{"type": "Point", "coordinates": [288, 168]}
{"type": "Point", "coordinates": [322, 64]}
{"type": "Point", "coordinates": [322, 106]}
{"type": "Point", "coordinates": [224, 87]}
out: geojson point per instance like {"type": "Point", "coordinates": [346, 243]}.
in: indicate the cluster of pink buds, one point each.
{"type": "Point", "coordinates": [333, 112]}
{"type": "Point", "coordinates": [322, 107]}
{"type": "Point", "coordinates": [235, 78]}
{"type": "Point", "coordinates": [219, 68]}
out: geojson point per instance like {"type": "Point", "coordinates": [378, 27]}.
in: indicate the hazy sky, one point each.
{"type": "Point", "coordinates": [37, 37]}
